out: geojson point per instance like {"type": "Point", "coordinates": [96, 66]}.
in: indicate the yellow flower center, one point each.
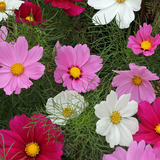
{"type": "Point", "coordinates": [29, 18]}
{"type": "Point", "coordinates": [136, 80]}
{"type": "Point", "coordinates": [17, 69]}
{"type": "Point", "coordinates": [32, 149]}
{"type": "Point", "coordinates": [115, 117]}
{"type": "Point", "coordinates": [146, 45]}
{"type": "Point", "coordinates": [120, 1]}
{"type": "Point", "coordinates": [75, 72]}
{"type": "Point", "coordinates": [67, 111]}
{"type": "Point", "coordinates": [157, 129]}
{"type": "Point", "coordinates": [2, 6]}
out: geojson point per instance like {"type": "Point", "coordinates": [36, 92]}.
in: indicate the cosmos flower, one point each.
{"type": "Point", "coordinates": [68, 6]}
{"type": "Point", "coordinates": [76, 68]}
{"type": "Point", "coordinates": [136, 82]}
{"type": "Point", "coordinates": [56, 47]}
{"type": "Point", "coordinates": [3, 33]}
{"type": "Point", "coordinates": [116, 122]}
{"type": "Point", "coordinates": [29, 13]}
{"type": "Point", "coordinates": [34, 139]}
{"type": "Point", "coordinates": [136, 151]}
{"type": "Point", "coordinates": [18, 65]}
{"type": "Point", "coordinates": [121, 9]}
{"type": "Point", "coordinates": [149, 128]}
{"type": "Point", "coordinates": [7, 7]}
{"type": "Point", "coordinates": [144, 42]}
{"type": "Point", "coordinates": [64, 106]}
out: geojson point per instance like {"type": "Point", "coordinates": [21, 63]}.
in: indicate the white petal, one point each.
{"type": "Point", "coordinates": [124, 16]}
{"type": "Point", "coordinates": [130, 110]}
{"type": "Point", "coordinates": [101, 4]}
{"type": "Point", "coordinates": [103, 126]}
{"type": "Point", "coordinates": [103, 109]}
{"type": "Point", "coordinates": [106, 15]}
{"type": "Point", "coordinates": [126, 136]}
{"type": "Point", "coordinates": [131, 123]}
{"type": "Point", "coordinates": [59, 121]}
{"type": "Point", "coordinates": [49, 105]}
{"type": "Point", "coordinates": [135, 4]}
{"type": "Point", "coordinates": [122, 102]}
{"type": "Point", "coordinates": [112, 99]}
{"type": "Point", "coordinates": [113, 138]}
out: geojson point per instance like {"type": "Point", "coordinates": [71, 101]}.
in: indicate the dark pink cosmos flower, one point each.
{"type": "Point", "coordinates": [31, 139]}
{"type": "Point", "coordinates": [29, 13]}
{"type": "Point", "coordinates": [149, 128]}
{"type": "Point", "coordinates": [67, 5]}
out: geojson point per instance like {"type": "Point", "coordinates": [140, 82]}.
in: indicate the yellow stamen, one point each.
{"type": "Point", "coordinates": [67, 111]}
{"type": "Point", "coordinates": [29, 18]}
{"type": "Point", "coordinates": [146, 45]}
{"type": "Point", "coordinates": [157, 129]}
{"type": "Point", "coordinates": [75, 72]}
{"type": "Point", "coordinates": [115, 117]}
{"type": "Point", "coordinates": [2, 6]}
{"type": "Point", "coordinates": [32, 149]}
{"type": "Point", "coordinates": [17, 69]}
{"type": "Point", "coordinates": [120, 1]}
{"type": "Point", "coordinates": [136, 80]}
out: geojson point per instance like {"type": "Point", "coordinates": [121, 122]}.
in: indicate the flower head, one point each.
{"type": "Point", "coordinates": [122, 9]}
{"type": "Point", "coordinates": [149, 128]}
{"type": "Point", "coordinates": [136, 151]}
{"type": "Point", "coordinates": [136, 82]}
{"type": "Point", "coordinates": [18, 65]}
{"type": "Point", "coordinates": [7, 7]}
{"type": "Point", "coordinates": [77, 68]}
{"type": "Point", "coordinates": [3, 33]}
{"type": "Point", "coordinates": [68, 6]}
{"type": "Point", "coordinates": [64, 106]}
{"type": "Point", "coordinates": [144, 43]}
{"type": "Point", "coordinates": [116, 122]}
{"type": "Point", "coordinates": [29, 13]}
{"type": "Point", "coordinates": [34, 139]}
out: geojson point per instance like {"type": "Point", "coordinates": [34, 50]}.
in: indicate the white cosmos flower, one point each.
{"type": "Point", "coordinates": [7, 7]}
{"type": "Point", "coordinates": [65, 105]}
{"type": "Point", "coordinates": [116, 122]}
{"type": "Point", "coordinates": [122, 9]}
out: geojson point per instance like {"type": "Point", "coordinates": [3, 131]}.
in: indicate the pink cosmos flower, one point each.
{"type": "Point", "coordinates": [18, 65]}
{"type": "Point", "coordinates": [56, 48]}
{"type": "Point", "coordinates": [144, 43]}
{"type": "Point", "coordinates": [76, 68]}
{"type": "Point", "coordinates": [149, 128]}
{"type": "Point", "coordinates": [67, 5]}
{"type": "Point", "coordinates": [29, 13]}
{"type": "Point", "coordinates": [135, 151]}
{"type": "Point", "coordinates": [136, 82]}
{"type": "Point", "coordinates": [31, 139]}
{"type": "Point", "coordinates": [3, 33]}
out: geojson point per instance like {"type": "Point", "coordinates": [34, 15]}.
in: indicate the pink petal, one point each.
{"type": "Point", "coordinates": [47, 1]}
{"type": "Point", "coordinates": [135, 94]}
{"type": "Point", "coordinates": [132, 41]}
{"type": "Point", "coordinates": [147, 115]}
{"type": "Point", "coordinates": [58, 73]}
{"type": "Point", "coordinates": [147, 91]}
{"type": "Point", "coordinates": [5, 78]}
{"type": "Point", "coordinates": [21, 49]}
{"type": "Point", "coordinates": [34, 55]}
{"type": "Point", "coordinates": [109, 157]}
{"type": "Point", "coordinates": [148, 75]}
{"type": "Point", "coordinates": [67, 81]}
{"type": "Point", "coordinates": [57, 47]}
{"type": "Point", "coordinates": [24, 82]}
{"type": "Point", "coordinates": [119, 153]}
{"type": "Point", "coordinates": [61, 4]}
{"type": "Point", "coordinates": [155, 106]}
{"type": "Point", "coordinates": [3, 33]}
{"type": "Point", "coordinates": [82, 54]}
{"type": "Point", "coordinates": [34, 70]}
{"type": "Point", "coordinates": [148, 52]}
{"type": "Point", "coordinates": [139, 38]}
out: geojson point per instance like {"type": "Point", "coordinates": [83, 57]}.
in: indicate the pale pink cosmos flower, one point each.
{"type": "Point", "coordinates": [135, 151]}
{"type": "Point", "coordinates": [144, 42]}
{"type": "Point", "coordinates": [56, 47]}
{"type": "Point", "coordinates": [136, 82]}
{"type": "Point", "coordinates": [18, 65]}
{"type": "Point", "coordinates": [3, 33]}
{"type": "Point", "coordinates": [76, 68]}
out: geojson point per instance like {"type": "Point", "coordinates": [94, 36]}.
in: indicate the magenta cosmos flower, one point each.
{"type": "Point", "coordinates": [149, 128]}
{"type": "Point", "coordinates": [29, 13]}
{"type": "Point", "coordinates": [76, 68]}
{"type": "Point", "coordinates": [18, 65]}
{"type": "Point", "coordinates": [68, 6]}
{"type": "Point", "coordinates": [31, 139]}
{"type": "Point", "coordinates": [136, 82]}
{"type": "Point", "coordinates": [135, 151]}
{"type": "Point", "coordinates": [144, 42]}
